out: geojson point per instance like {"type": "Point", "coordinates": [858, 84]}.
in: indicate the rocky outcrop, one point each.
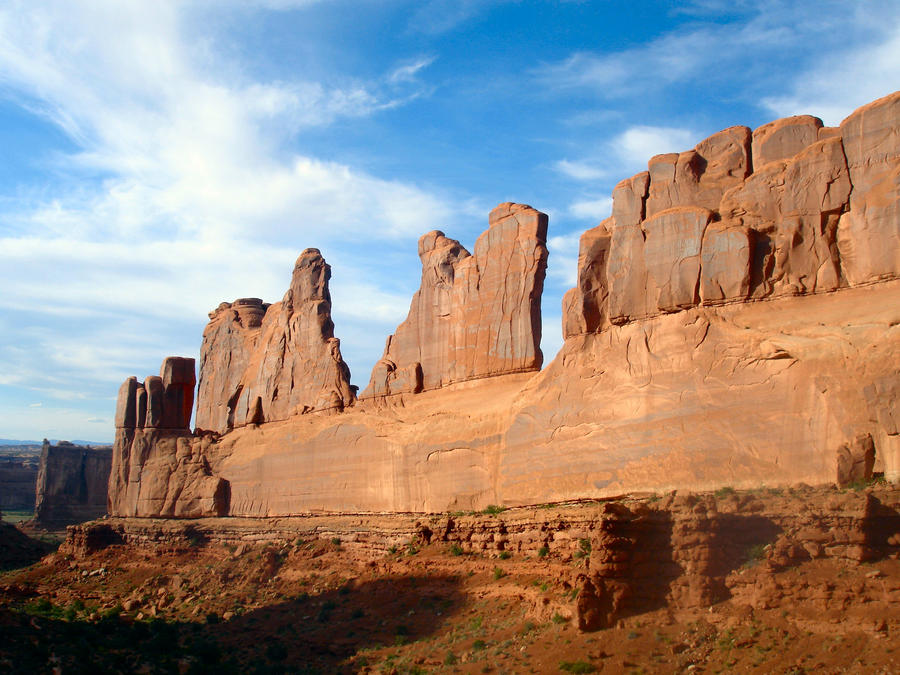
{"type": "Point", "coordinates": [260, 363]}
{"type": "Point", "coordinates": [473, 315]}
{"type": "Point", "coordinates": [18, 476]}
{"type": "Point", "coordinates": [735, 323]}
{"type": "Point", "coordinates": [790, 208]}
{"type": "Point", "coordinates": [158, 465]}
{"type": "Point", "coordinates": [71, 484]}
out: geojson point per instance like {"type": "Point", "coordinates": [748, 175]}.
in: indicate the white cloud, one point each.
{"type": "Point", "coordinates": [563, 261]}
{"type": "Point", "coordinates": [582, 170]}
{"type": "Point", "coordinates": [637, 144]}
{"type": "Point", "coordinates": [592, 209]}
{"type": "Point", "coordinates": [844, 80]}
{"type": "Point", "coordinates": [409, 71]}
{"type": "Point", "coordinates": [200, 197]}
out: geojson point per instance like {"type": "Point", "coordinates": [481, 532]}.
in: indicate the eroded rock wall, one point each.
{"type": "Point", "coordinates": [158, 465]}
{"type": "Point", "coordinates": [260, 363]}
{"type": "Point", "coordinates": [473, 315]}
{"type": "Point", "coordinates": [790, 208]}
{"type": "Point", "coordinates": [71, 484]}
{"type": "Point", "coordinates": [736, 322]}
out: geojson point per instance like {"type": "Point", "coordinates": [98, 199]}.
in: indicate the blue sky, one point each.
{"type": "Point", "coordinates": [161, 157]}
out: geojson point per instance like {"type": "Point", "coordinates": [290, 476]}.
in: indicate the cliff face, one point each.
{"type": "Point", "coordinates": [71, 484]}
{"type": "Point", "coordinates": [260, 363]}
{"type": "Point", "coordinates": [18, 476]}
{"type": "Point", "coordinates": [735, 322]}
{"type": "Point", "coordinates": [158, 466]}
{"type": "Point", "coordinates": [473, 315]}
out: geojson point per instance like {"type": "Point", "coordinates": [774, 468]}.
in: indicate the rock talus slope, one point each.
{"type": "Point", "coordinates": [736, 321]}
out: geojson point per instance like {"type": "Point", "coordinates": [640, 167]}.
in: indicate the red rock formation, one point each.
{"type": "Point", "coordinates": [71, 484]}
{"type": "Point", "coordinates": [473, 315]}
{"type": "Point", "coordinates": [158, 466]}
{"type": "Point", "coordinates": [734, 323]}
{"type": "Point", "coordinates": [260, 363]}
{"type": "Point", "coordinates": [792, 208]}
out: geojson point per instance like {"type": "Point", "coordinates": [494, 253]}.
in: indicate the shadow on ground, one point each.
{"type": "Point", "coordinates": [17, 549]}
{"type": "Point", "coordinates": [306, 634]}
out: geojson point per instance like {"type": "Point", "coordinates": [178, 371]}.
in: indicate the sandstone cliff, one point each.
{"type": "Point", "coordinates": [735, 323]}
{"type": "Point", "coordinates": [473, 315]}
{"type": "Point", "coordinates": [261, 362]}
{"type": "Point", "coordinates": [158, 467]}
{"type": "Point", "coordinates": [71, 484]}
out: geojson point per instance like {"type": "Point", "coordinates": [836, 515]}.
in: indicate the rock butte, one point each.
{"type": "Point", "coordinates": [736, 321]}
{"type": "Point", "coordinates": [71, 485]}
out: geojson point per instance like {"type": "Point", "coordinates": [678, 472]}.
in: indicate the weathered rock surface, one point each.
{"type": "Point", "coordinates": [473, 315]}
{"type": "Point", "coordinates": [260, 362]}
{"type": "Point", "coordinates": [18, 476]}
{"type": "Point", "coordinates": [792, 208]}
{"type": "Point", "coordinates": [733, 324]}
{"type": "Point", "coordinates": [71, 484]}
{"type": "Point", "coordinates": [158, 467]}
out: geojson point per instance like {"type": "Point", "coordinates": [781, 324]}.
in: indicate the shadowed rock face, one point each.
{"type": "Point", "coordinates": [735, 322]}
{"type": "Point", "coordinates": [473, 315]}
{"type": "Point", "coordinates": [71, 484]}
{"type": "Point", "coordinates": [260, 363]}
{"type": "Point", "coordinates": [157, 464]}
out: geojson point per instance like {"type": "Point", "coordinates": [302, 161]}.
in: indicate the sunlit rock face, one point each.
{"type": "Point", "coordinates": [473, 315]}
{"type": "Point", "coordinates": [736, 321]}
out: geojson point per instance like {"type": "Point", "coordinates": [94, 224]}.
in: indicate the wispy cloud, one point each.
{"type": "Point", "coordinates": [440, 16]}
{"type": "Point", "coordinates": [592, 209]}
{"type": "Point", "coordinates": [845, 79]}
{"type": "Point", "coordinates": [184, 191]}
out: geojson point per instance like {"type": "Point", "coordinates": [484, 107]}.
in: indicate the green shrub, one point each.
{"type": "Point", "coordinates": [724, 492]}
{"type": "Point", "coordinates": [456, 549]}
{"type": "Point", "coordinates": [577, 667]}
{"type": "Point", "coordinates": [558, 618]}
{"type": "Point", "coordinates": [498, 573]}
{"type": "Point", "coordinates": [543, 552]}
{"type": "Point", "coordinates": [478, 645]}
{"type": "Point", "coordinates": [450, 659]}
{"type": "Point", "coordinates": [493, 510]}
{"type": "Point", "coordinates": [505, 555]}
{"type": "Point", "coordinates": [336, 541]}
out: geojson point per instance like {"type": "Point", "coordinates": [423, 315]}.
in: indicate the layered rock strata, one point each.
{"type": "Point", "coordinates": [623, 557]}
{"type": "Point", "coordinates": [71, 485]}
{"type": "Point", "coordinates": [735, 323]}
{"type": "Point", "coordinates": [260, 363]}
{"type": "Point", "coordinates": [473, 315]}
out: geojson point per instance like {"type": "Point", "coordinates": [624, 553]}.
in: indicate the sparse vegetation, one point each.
{"type": "Point", "coordinates": [493, 509]}
{"type": "Point", "coordinates": [543, 551]}
{"type": "Point", "coordinates": [456, 549]}
{"type": "Point", "coordinates": [577, 667]}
